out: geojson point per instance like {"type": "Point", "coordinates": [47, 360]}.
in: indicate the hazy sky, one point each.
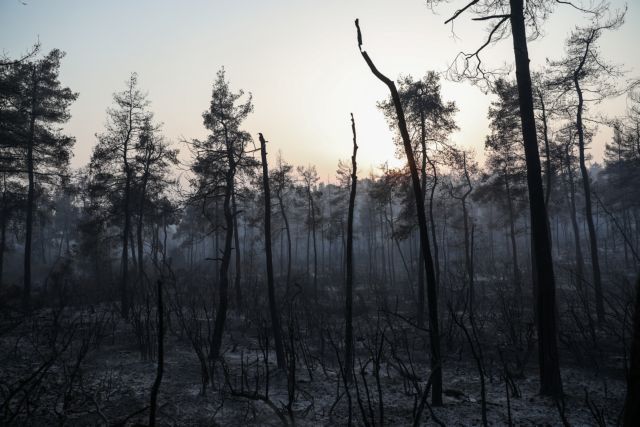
{"type": "Point", "coordinates": [299, 58]}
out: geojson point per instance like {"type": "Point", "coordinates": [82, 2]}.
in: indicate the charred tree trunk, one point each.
{"type": "Point", "coordinates": [574, 219]}
{"type": "Point", "coordinates": [26, 295]}
{"type": "Point", "coordinates": [315, 247]}
{"type": "Point", "coordinates": [273, 309]}
{"type": "Point", "coordinates": [434, 332]}
{"type": "Point", "coordinates": [348, 340]}
{"type": "Point", "coordinates": [238, 276]}
{"type": "Point", "coordinates": [423, 171]}
{"type": "Point", "coordinates": [543, 275]}
{"type": "Point", "coordinates": [593, 238]}
{"type": "Point", "coordinates": [223, 286]}
{"type": "Point", "coordinates": [160, 368]}
{"type": "Point", "coordinates": [124, 291]}
{"type": "Point", "coordinates": [432, 220]}
{"type": "Point", "coordinates": [547, 149]}
{"type": "Point", "coordinates": [3, 243]}
{"type": "Point", "coordinates": [631, 407]}
{"type": "Point", "coordinates": [468, 237]}
{"type": "Point", "coordinates": [288, 231]}
{"type": "Point", "coordinates": [140, 225]}
{"type": "Point", "coordinates": [512, 237]}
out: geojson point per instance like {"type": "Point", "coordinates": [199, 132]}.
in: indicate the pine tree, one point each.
{"type": "Point", "coordinates": [35, 146]}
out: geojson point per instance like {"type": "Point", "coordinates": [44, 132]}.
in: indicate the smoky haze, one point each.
{"type": "Point", "coordinates": [371, 213]}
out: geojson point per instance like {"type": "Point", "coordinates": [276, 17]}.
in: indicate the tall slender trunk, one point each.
{"type": "Point", "coordinates": [315, 247]}
{"type": "Point", "coordinates": [216, 239]}
{"type": "Point", "coordinates": [3, 227]}
{"type": "Point", "coordinates": [273, 308]}
{"type": "Point", "coordinates": [155, 389]}
{"type": "Point", "coordinates": [126, 231]}
{"type": "Point", "coordinates": [348, 340]}
{"type": "Point", "coordinates": [390, 252]}
{"type": "Point", "coordinates": [132, 245]}
{"type": "Point", "coordinates": [432, 220]}
{"type": "Point", "coordinates": [467, 251]}
{"type": "Point", "coordinates": [238, 276]}
{"type": "Point", "coordinates": [547, 149]}
{"type": "Point", "coordinates": [140, 225]}
{"type": "Point", "coordinates": [631, 407]}
{"type": "Point", "coordinates": [308, 237]}
{"type": "Point", "coordinates": [512, 236]}
{"type": "Point", "coordinates": [574, 220]}
{"type": "Point", "coordinates": [140, 245]}
{"type": "Point", "coordinates": [223, 286]}
{"type": "Point", "coordinates": [423, 183]}
{"type": "Point", "coordinates": [164, 242]}
{"type": "Point", "coordinates": [426, 159]}
{"type": "Point", "coordinates": [124, 291]}
{"type": "Point", "coordinates": [434, 331]}
{"type": "Point", "coordinates": [288, 231]}
{"type": "Point", "coordinates": [26, 296]}
{"type": "Point", "coordinates": [468, 243]}
{"type": "Point", "coordinates": [593, 237]}
{"type": "Point", "coordinates": [543, 275]}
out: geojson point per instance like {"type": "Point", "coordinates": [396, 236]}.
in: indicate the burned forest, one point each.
{"type": "Point", "coordinates": [340, 221]}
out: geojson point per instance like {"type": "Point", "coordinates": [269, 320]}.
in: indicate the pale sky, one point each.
{"type": "Point", "coordinates": [299, 58]}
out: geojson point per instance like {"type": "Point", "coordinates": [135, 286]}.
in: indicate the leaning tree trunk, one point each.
{"type": "Point", "coordinates": [348, 336]}
{"type": "Point", "coordinates": [273, 308]}
{"type": "Point", "coordinates": [593, 238]}
{"type": "Point", "coordinates": [434, 332]}
{"type": "Point", "coordinates": [543, 276]}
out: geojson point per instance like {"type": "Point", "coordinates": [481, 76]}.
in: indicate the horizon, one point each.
{"type": "Point", "coordinates": [281, 55]}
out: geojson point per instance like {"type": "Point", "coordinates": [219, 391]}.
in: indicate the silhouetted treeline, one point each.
{"type": "Point", "coordinates": [205, 242]}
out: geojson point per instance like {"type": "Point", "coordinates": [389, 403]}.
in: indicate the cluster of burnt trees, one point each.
{"type": "Point", "coordinates": [435, 245]}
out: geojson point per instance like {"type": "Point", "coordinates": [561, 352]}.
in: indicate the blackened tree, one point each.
{"type": "Point", "coordinates": [113, 168]}
{"type": "Point", "coordinates": [37, 148]}
{"type": "Point", "coordinates": [214, 167]}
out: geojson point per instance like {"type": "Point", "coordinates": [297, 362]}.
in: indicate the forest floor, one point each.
{"type": "Point", "coordinates": [114, 383]}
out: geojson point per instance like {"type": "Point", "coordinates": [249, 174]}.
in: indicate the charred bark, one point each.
{"type": "Point", "coordinates": [543, 275]}
{"type": "Point", "coordinates": [273, 308]}
{"type": "Point", "coordinates": [348, 340]}
{"type": "Point", "coordinates": [434, 334]}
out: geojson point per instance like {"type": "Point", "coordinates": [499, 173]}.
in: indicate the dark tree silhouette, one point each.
{"type": "Point", "coordinates": [215, 165]}
{"type": "Point", "coordinates": [585, 69]}
{"type": "Point", "coordinates": [434, 334]}
{"type": "Point", "coordinates": [631, 407]}
{"type": "Point", "coordinates": [113, 168]}
{"type": "Point", "coordinates": [282, 182]}
{"type": "Point", "coordinates": [513, 12]}
{"type": "Point", "coordinates": [505, 175]}
{"type": "Point", "coordinates": [273, 308]}
{"type": "Point", "coordinates": [40, 103]}
{"type": "Point", "coordinates": [431, 119]}
{"type": "Point", "coordinates": [348, 336]}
